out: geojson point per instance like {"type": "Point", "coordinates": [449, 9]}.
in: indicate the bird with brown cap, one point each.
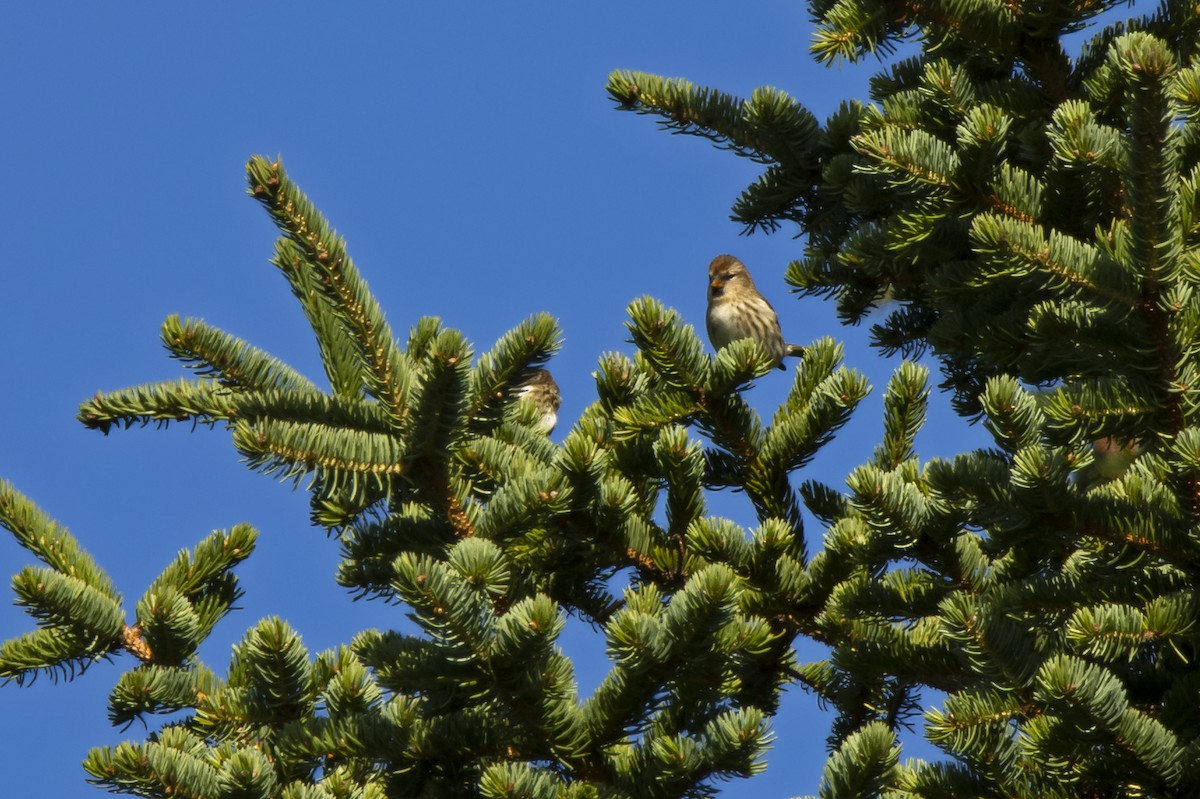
{"type": "Point", "coordinates": [736, 310]}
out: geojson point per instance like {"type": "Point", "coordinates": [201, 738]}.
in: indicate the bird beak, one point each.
{"type": "Point", "coordinates": [717, 283]}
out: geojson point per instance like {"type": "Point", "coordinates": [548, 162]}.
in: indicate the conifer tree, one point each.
{"type": "Point", "coordinates": [447, 497]}
{"type": "Point", "coordinates": [1027, 214]}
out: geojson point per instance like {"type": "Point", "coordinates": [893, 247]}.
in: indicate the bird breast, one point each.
{"type": "Point", "coordinates": [723, 317]}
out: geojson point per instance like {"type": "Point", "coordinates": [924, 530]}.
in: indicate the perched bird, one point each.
{"type": "Point", "coordinates": [542, 391]}
{"type": "Point", "coordinates": [1112, 457]}
{"type": "Point", "coordinates": [736, 310]}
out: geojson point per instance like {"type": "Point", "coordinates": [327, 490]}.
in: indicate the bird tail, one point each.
{"type": "Point", "coordinates": [789, 351]}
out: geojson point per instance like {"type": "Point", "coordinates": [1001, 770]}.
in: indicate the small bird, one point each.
{"type": "Point", "coordinates": [542, 391]}
{"type": "Point", "coordinates": [1112, 457]}
{"type": "Point", "coordinates": [736, 311]}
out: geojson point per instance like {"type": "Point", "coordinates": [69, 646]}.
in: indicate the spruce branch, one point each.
{"type": "Point", "coordinates": [174, 763]}
{"type": "Point", "coordinates": [339, 351]}
{"type": "Point", "coordinates": [56, 652]}
{"type": "Point", "coordinates": [386, 372]}
{"type": "Point", "coordinates": [216, 354]}
{"type": "Point", "coordinates": [1148, 754]}
{"type": "Point", "coordinates": [201, 402]}
{"type": "Point", "coordinates": [49, 541]}
{"type": "Point", "coordinates": [82, 619]}
{"type": "Point", "coordinates": [688, 109]}
{"type": "Point", "coordinates": [158, 689]}
{"type": "Point", "coordinates": [341, 456]}
{"type": "Point", "coordinates": [905, 405]}
{"type": "Point", "coordinates": [865, 764]}
{"type": "Point", "coordinates": [769, 128]}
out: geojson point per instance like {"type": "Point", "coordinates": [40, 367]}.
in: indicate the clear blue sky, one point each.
{"type": "Point", "coordinates": [476, 167]}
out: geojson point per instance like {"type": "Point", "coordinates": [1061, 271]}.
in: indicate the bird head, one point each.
{"type": "Point", "coordinates": [726, 270]}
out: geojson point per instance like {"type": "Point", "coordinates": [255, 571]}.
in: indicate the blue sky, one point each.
{"type": "Point", "coordinates": [475, 165]}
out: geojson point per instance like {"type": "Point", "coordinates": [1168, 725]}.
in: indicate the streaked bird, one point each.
{"type": "Point", "coordinates": [736, 310]}
{"type": "Point", "coordinates": [542, 391]}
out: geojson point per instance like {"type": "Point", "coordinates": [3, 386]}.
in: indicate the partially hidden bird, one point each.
{"type": "Point", "coordinates": [542, 391]}
{"type": "Point", "coordinates": [736, 310]}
